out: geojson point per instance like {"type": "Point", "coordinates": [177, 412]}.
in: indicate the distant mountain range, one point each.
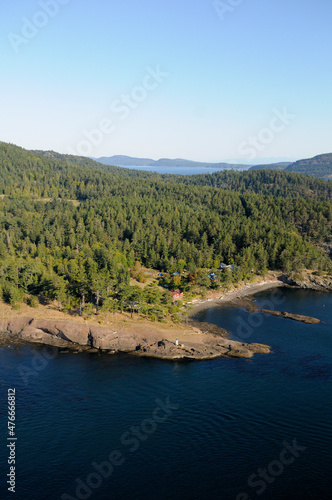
{"type": "Point", "coordinates": [131, 161]}
{"type": "Point", "coordinates": [318, 166]}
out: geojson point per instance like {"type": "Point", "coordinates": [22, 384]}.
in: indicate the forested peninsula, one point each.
{"type": "Point", "coordinates": [93, 240]}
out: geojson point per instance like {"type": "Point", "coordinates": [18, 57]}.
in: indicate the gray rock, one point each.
{"type": "Point", "coordinates": [3, 325]}
{"type": "Point", "coordinates": [104, 338]}
{"type": "Point", "coordinates": [74, 332]}
{"type": "Point", "coordinates": [311, 282]}
{"type": "Point", "coordinates": [32, 334]}
{"type": "Point", "coordinates": [16, 325]}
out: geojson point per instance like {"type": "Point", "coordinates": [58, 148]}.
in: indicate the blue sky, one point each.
{"type": "Point", "coordinates": [203, 80]}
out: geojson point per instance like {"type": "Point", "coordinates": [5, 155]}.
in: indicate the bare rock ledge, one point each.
{"type": "Point", "coordinates": [74, 335]}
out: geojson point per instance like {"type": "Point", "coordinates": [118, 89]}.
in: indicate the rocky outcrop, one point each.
{"type": "Point", "coordinates": [218, 348]}
{"type": "Point", "coordinates": [33, 334]}
{"type": "Point", "coordinates": [16, 325]}
{"type": "Point", "coordinates": [79, 336]}
{"type": "Point", "coordinates": [310, 282]}
{"type": "Point", "coordinates": [62, 333]}
{"type": "Point", "coordinates": [111, 340]}
{"type": "Point", "coordinates": [73, 332]}
{"type": "Point", "coordinates": [104, 338]}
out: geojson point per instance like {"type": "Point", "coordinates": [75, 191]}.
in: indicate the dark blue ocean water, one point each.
{"type": "Point", "coordinates": [179, 430]}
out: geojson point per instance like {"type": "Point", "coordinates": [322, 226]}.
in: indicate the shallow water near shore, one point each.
{"type": "Point", "coordinates": [189, 430]}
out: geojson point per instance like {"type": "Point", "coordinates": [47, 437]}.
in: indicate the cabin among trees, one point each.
{"type": "Point", "coordinates": [176, 294]}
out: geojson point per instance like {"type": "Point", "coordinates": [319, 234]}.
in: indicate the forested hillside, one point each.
{"type": "Point", "coordinates": [73, 232]}
{"type": "Point", "coordinates": [88, 163]}
{"type": "Point", "coordinates": [319, 166]}
{"type": "Point", "coordinates": [266, 182]}
{"type": "Point", "coordinates": [271, 166]}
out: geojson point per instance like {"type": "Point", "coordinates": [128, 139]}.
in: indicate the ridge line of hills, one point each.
{"type": "Point", "coordinates": [78, 177]}
{"type": "Point", "coordinates": [130, 161]}
{"type": "Point", "coordinates": [318, 166]}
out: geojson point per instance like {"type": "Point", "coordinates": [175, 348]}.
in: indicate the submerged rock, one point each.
{"type": "Point", "coordinates": [253, 308]}
{"type": "Point", "coordinates": [296, 317]}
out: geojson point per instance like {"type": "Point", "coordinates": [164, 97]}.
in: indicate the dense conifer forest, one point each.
{"type": "Point", "coordinates": [75, 231]}
{"type": "Point", "coordinates": [319, 166]}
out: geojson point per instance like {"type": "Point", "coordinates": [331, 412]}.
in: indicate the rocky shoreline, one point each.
{"type": "Point", "coordinates": [241, 296]}
{"type": "Point", "coordinates": [195, 341]}
{"type": "Point", "coordinates": [76, 336]}
{"type": "Point", "coordinates": [311, 282]}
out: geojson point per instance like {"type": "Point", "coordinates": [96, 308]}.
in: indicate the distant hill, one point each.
{"type": "Point", "coordinates": [130, 161]}
{"type": "Point", "coordinates": [124, 161]}
{"type": "Point", "coordinates": [272, 166]}
{"type": "Point", "coordinates": [84, 161]}
{"type": "Point", "coordinates": [318, 166]}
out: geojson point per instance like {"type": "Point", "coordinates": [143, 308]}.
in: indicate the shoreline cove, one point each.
{"type": "Point", "coordinates": [195, 341]}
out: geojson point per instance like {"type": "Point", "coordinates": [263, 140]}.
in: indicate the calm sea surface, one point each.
{"type": "Point", "coordinates": [115, 427]}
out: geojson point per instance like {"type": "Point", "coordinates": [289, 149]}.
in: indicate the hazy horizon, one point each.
{"type": "Point", "coordinates": [235, 161]}
{"type": "Point", "coordinates": [239, 80]}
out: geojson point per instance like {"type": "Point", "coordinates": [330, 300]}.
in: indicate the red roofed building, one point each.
{"type": "Point", "coordinates": [176, 294]}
